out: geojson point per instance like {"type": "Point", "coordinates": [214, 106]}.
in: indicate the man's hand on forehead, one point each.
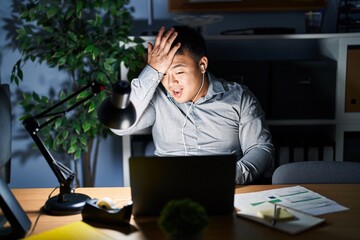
{"type": "Point", "coordinates": [161, 55]}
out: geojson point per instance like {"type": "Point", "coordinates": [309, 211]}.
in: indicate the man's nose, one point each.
{"type": "Point", "coordinates": [172, 79]}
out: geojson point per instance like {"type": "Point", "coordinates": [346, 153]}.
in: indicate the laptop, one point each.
{"type": "Point", "coordinates": [207, 180]}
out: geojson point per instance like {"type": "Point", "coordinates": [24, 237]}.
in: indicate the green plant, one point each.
{"type": "Point", "coordinates": [80, 37]}
{"type": "Point", "coordinates": [183, 218]}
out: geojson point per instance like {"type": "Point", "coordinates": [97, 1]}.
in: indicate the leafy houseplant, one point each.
{"type": "Point", "coordinates": [183, 219]}
{"type": "Point", "coordinates": [80, 37]}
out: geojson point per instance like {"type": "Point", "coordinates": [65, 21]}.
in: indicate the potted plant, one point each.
{"type": "Point", "coordinates": [81, 38]}
{"type": "Point", "coordinates": [183, 219]}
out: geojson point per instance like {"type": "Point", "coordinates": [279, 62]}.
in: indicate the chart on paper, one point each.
{"type": "Point", "coordinates": [297, 197]}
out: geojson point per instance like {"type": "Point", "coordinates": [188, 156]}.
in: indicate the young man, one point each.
{"type": "Point", "coordinates": [194, 113]}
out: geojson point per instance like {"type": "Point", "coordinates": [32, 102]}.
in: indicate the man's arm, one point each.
{"type": "Point", "coordinates": [160, 57]}
{"type": "Point", "coordinates": [254, 163]}
{"type": "Point", "coordinates": [142, 91]}
{"type": "Point", "coordinates": [255, 140]}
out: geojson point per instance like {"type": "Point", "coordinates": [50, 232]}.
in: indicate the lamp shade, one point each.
{"type": "Point", "coordinates": [117, 111]}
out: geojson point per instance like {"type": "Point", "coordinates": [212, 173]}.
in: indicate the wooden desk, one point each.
{"type": "Point", "coordinates": [340, 225]}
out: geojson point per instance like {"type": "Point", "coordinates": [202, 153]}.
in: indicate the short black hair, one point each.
{"type": "Point", "coordinates": [190, 40]}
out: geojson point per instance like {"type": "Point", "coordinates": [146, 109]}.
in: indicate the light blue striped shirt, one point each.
{"type": "Point", "coordinates": [227, 120]}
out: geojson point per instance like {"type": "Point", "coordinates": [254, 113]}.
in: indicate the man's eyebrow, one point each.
{"type": "Point", "coordinates": [179, 65]}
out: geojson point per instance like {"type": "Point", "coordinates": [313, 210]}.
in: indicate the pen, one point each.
{"type": "Point", "coordinates": [275, 215]}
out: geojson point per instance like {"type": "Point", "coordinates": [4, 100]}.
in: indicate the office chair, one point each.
{"type": "Point", "coordinates": [5, 132]}
{"type": "Point", "coordinates": [317, 172]}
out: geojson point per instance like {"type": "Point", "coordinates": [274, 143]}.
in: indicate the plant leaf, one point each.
{"type": "Point", "coordinates": [73, 36]}
{"type": "Point", "coordinates": [51, 12]}
{"type": "Point", "coordinates": [86, 126]}
{"type": "Point", "coordinates": [72, 149]}
{"type": "Point", "coordinates": [89, 49]}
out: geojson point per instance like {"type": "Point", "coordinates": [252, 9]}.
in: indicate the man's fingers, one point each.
{"type": "Point", "coordinates": [172, 51]}
{"type": "Point", "coordinates": [169, 41]}
{"type": "Point", "coordinates": [159, 36]}
{"type": "Point", "coordinates": [172, 37]}
{"type": "Point", "coordinates": [160, 55]}
{"type": "Point", "coordinates": [150, 47]}
{"type": "Point", "coordinates": [167, 37]}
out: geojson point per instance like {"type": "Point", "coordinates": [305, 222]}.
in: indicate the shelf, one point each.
{"type": "Point", "coordinates": [181, 6]}
{"type": "Point", "coordinates": [352, 11]}
{"type": "Point", "coordinates": [348, 15]}
{"type": "Point", "coordinates": [315, 36]}
{"type": "Point", "coordinates": [349, 8]}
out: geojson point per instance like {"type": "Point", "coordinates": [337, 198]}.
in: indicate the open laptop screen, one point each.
{"type": "Point", "coordinates": [208, 180]}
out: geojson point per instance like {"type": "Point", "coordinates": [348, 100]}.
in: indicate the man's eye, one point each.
{"type": "Point", "coordinates": [179, 72]}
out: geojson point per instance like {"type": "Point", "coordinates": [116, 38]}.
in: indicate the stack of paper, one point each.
{"type": "Point", "coordinates": [298, 201]}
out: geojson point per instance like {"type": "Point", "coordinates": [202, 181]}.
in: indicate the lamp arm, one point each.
{"type": "Point", "coordinates": [96, 88]}
{"type": "Point", "coordinates": [64, 175]}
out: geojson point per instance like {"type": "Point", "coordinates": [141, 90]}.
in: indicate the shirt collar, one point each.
{"type": "Point", "coordinates": [215, 86]}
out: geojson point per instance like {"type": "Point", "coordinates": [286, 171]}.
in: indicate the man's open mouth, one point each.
{"type": "Point", "coordinates": [177, 92]}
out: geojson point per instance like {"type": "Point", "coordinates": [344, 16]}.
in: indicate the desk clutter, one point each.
{"type": "Point", "coordinates": [275, 214]}
{"type": "Point", "coordinates": [289, 209]}
{"type": "Point", "coordinates": [102, 211]}
{"type": "Point", "coordinates": [284, 219]}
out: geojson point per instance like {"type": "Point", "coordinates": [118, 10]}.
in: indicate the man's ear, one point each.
{"type": "Point", "coordinates": [203, 64]}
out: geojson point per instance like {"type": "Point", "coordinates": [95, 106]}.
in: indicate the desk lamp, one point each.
{"type": "Point", "coordinates": [115, 112]}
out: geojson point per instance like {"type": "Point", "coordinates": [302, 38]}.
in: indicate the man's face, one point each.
{"type": "Point", "coordinates": [183, 78]}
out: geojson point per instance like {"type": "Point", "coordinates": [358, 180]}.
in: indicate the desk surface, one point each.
{"type": "Point", "coordinates": [340, 225]}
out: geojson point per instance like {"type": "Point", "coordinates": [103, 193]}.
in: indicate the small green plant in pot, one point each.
{"type": "Point", "coordinates": [183, 219]}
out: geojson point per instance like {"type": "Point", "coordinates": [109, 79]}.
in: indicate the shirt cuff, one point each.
{"type": "Point", "coordinates": [160, 74]}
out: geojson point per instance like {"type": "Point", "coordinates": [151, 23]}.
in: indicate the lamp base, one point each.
{"type": "Point", "coordinates": [71, 203]}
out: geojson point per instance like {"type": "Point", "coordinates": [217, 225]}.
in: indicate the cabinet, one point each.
{"type": "Point", "coordinates": [298, 92]}
{"type": "Point", "coordinates": [294, 77]}
{"type": "Point", "coordinates": [352, 91]}
{"type": "Point", "coordinates": [348, 16]}
{"type": "Point", "coordinates": [304, 82]}
{"type": "Point", "coordinates": [286, 89]}
{"type": "Point", "coordinates": [249, 73]}
{"type": "Point", "coordinates": [301, 82]}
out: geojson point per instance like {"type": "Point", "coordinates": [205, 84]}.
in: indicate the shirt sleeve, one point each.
{"type": "Point", "coordinates": [255, 140]}
{"type": "Point", "coordinates": [142, 92]}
